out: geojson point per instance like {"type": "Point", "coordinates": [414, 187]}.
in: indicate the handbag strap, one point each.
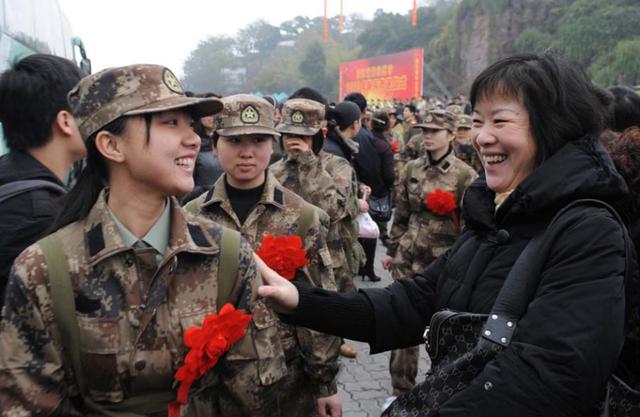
{"type": "Point", "coordinates": [522, 281]}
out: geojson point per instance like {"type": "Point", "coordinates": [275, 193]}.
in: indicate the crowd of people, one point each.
{"type": "Point", "coordinates": [191, 210]}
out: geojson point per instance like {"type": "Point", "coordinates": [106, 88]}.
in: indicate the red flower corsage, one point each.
{"type": "Point", "coordinates": [207, 344]}
{"type": "Point", "coordinates": [283, 254]}
{"type": "Point", "coordinates": [443, 203]}
{"type": "Point", "coordinates": [395, 145]}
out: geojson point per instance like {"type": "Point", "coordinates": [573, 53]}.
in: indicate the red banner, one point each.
{"type": "Point", "coordinates": [384, 77]}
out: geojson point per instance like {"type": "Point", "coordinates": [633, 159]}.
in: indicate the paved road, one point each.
{"type": "Point", "coordinates": [364, 382]}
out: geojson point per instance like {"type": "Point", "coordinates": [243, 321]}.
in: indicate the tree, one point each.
{"type": "Point", "coordinates": [203, 69]}
{"type": "Point", "coordinates": [313, 66]}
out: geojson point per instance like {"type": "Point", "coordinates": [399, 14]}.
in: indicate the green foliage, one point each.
{"type": "Point", "coordinates": [459, 37]}
{"type": "Point", "coordinates": [532, 40]}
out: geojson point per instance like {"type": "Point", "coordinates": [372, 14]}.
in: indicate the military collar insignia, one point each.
{"type": "Point", "coordinates": [297, 117]}
{"type": "Point", "coordinates": [171, 81]}
{"type": "Point", "coordinates": [250, 115]}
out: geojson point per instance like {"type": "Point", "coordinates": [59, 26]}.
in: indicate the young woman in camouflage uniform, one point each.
{"type": "Point", "coordinates": [419, 236]}
{"type": "Point", "coordinates": [248, 198]}
{"type": "Point", "coordinates": [141, 270]}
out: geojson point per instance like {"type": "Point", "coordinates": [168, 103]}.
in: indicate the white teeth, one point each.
{"type": "Point", "coordinates": [187, 162]}
{"type": "Point", "coordinates": [494, 159]}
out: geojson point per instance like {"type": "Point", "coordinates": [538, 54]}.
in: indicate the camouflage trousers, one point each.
{"type": "Point", "coordinates": [403, 367]}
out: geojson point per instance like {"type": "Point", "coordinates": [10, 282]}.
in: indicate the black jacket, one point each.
{"type": "Point", "coordinates": [566, 344]}
{"type": "Point", "coordinates": [386, 173]}
{"type": "Point", "coordinates": [26, 217]}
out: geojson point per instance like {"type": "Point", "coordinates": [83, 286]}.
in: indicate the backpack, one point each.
{"type": "Point", "coordinates": [63, 305]}
{"type": "Point", "coordinates": [15, 188]}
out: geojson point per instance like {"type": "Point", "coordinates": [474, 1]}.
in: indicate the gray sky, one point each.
{"type": "Point", "coordinates": [122, 32]}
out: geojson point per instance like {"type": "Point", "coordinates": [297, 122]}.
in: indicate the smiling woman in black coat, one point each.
{"type": "Point", "coordinates": [536, 126]}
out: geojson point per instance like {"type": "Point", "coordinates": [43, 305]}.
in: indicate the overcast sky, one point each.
{"type": "Point", "coordinates": [122, 32]}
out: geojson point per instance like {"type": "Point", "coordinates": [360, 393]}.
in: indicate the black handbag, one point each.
{"type": "Point", "coordinates": [460, 344]}
{"type": "Point", "coordinates": [380, 208]}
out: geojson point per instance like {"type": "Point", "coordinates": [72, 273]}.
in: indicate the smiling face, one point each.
{"type": "Point", "coordinates": [165, 163]}
{"type": "Point", "coordinates": [502, 136]}
{"type": "Point", "coordinates": [244, 158]}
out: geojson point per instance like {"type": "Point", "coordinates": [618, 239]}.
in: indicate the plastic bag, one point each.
{"type": "Point", "coordinates": [367, 228]}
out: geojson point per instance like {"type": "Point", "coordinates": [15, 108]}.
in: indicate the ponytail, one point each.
{"type": "Point", "coordinates": [92, 180]}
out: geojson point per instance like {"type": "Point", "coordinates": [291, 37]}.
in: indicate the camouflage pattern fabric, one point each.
{"type": "Point", "coordinates": [101, 98]}
{"type": "Point", "coordinates": [131, 322]}
{"type": "Point", "coordinates": [278, 213]}
{"type": "Point", "coordinates": [301, 117]}
{"type": "Point", "coordinates": [328, 182]}
{"type": "Point", "coordinates": [418, 236]}
{"type": "Point", "coordinates": [245, 114]}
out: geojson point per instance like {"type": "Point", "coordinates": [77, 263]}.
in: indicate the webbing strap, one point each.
{"type": "Point", "coordinates": [65, 316]}
{"type": "Point", "coordinates": [229, 264]}
{"type": "Point", "coordinates": [305, 220]}
{"type": "Point", "coordinates": [16, 188]}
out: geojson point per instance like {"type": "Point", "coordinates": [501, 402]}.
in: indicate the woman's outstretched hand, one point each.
{"type": "Point", "coordinates": [282, 294]}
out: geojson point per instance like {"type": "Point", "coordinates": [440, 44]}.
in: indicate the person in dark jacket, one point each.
{"type": "Point", "coordinates": [536, 125]}
{"type": "Point", "coordinates": [380, 188]}
{"type": "Point", "coordinates": [44, 142]}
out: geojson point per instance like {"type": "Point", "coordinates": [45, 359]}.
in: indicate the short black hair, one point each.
{"type": "Point", "coordinates": [413, 109]}
{"type": "Point", "coordinates": [32, 93]}
{"type": "Point", "coordinates": [625, 110]}
{"type": "Point", "coordinates": [310, 94]}
{"type": "Point", "coordinates": [562, 103]}
{"type": "Point", "coordinates": [357, 98]}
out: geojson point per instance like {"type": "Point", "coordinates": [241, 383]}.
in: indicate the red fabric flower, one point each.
{"type": "Point", "coordinates": [441, 202]}
{"type": "Point", "coordinates": [207, 344]}
{"type": "Point", "coordinates": [283, 254]}
{"type": "Point", "coordinates": [395, 145]}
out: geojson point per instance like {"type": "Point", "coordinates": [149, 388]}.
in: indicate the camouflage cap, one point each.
{"type": "Point", "coordinates": [101, 98]}
{"type": "Point", "coordinates": [454, 109]}
{"type": "Point", "coordinates": [245, 114]}
{"type": "Point", "coordinates": [438, 119]}
{"type": "Point", "coordinates": [301, 116]}
{"type": "Point", "coordinates": [465, 121]}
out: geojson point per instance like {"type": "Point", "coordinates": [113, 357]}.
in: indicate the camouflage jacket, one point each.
{"type": "Point", "coordinates": [278, 213]}
{"type": "Point", "coordinates": [329, 182]}
{"type": "Point", "coordinates": [130, 333]}
{"type": "Point", "coordinates": [418, 236]}
{"type": "Point", "coordinates": [467, 153]}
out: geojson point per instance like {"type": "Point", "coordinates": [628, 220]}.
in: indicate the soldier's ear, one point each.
{"type": "Point", "coordinates": [110, 146]}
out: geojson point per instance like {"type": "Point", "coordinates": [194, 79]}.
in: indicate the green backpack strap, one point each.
{"type": "Point", "coordinates": [229, 264]}
{"type": "Point", "coordinates": [305, 220]}
{"type": "Point", "coordinates": [64, 310]}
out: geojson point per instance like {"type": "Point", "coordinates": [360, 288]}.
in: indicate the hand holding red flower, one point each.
{"type": "Point", "coordinates": [283, 254]}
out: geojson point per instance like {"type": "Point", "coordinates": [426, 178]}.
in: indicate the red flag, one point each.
{"type": "Point", "coordinates": [414, 13]}
{"type": "Point", "coordinates": [325, 34]}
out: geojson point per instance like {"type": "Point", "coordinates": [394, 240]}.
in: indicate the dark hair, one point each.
{"type": "Point", "coordinates": [562, 103]}
{"type": "Point", "coordinates": [359, 99]}
{"type": "Point", "coordinates": [343, 115]}
{"type": "Point", "coordinates": [94, 177]}
{"type": "Point", "coordinates": [380, 122]}
{"type": "Point", "coordinates": [411, 107]}
{"type": "Point", "coordinates": [625, 109]}
{"type": "Point", "coordinates": [310, 94]}
{"type": "Point", "coordinates": [32, 93]}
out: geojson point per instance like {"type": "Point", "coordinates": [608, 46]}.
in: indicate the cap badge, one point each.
{"type": "Point", "coordinates": [429, 118]}
{"type": "Point", "coordinates": [171, 81]}
{"type": "Point", "coordinates": [250, 115]}
{"type": "Point", "coordinates": [297, 117]}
